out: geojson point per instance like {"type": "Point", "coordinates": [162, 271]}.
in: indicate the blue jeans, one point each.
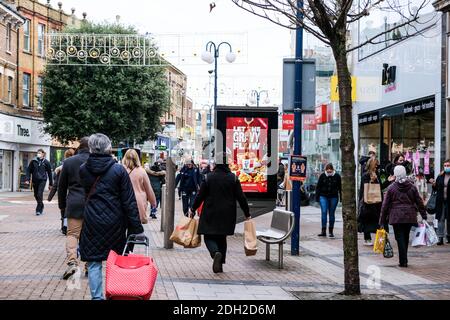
{"type": "Point", "coordinates": [95, 280]}
{"type": "Point", "coordinates": [328, 205]}
{"type": "Point", "coordinates": [155, 209]}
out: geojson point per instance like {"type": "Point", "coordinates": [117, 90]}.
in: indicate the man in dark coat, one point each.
{"type": "Point", "coordinates": [442, 187]}
{"type": "Point", "coordinates": [157, 179]}
{"type": "Point", "coordinates": [219, 194]}
{"type": "Point", "coordinates": [71, 200]}
{"type": "Point", "coordinates": [38, 170]}
{"type": "Point", "coordinates": [189, 179]}
{"type": "Point", "coordinates": [109, 211]}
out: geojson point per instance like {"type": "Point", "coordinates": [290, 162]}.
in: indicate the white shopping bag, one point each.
{"type": "Point", "coordinates": [435, 223]}
{"type": "Point", "coordinates": [419, 236]}
{"type": "Point", "coordinates": [431, 237]}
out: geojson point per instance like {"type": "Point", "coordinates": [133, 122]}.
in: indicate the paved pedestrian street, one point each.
{"type": "Point", "coordinates": [32, 263]}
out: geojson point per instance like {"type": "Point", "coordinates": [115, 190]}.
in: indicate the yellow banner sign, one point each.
{"type": "Point", "coordinates": [335, 90]}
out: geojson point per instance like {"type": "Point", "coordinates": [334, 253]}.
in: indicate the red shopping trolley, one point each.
{"type": "Point", "coordinates": [130, 276]}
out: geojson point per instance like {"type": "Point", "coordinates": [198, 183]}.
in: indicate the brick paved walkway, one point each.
{"type": "Point", "coordinates": [32, 261]}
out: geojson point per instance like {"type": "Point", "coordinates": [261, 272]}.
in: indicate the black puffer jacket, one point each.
{"type": "Point", "coordinates": [329, 187]}
{"type": "Point", "coordinates": [110, 210]}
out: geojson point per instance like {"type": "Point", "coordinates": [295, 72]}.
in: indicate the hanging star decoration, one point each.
{"type": "Point", "coordinates": [212, 5]}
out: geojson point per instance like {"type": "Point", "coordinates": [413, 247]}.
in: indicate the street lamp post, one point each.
{"type": "Point", "coordinates": [211, 54]}
{"type": "Point", "coordinates": [255, 94]}
{"type": "Point", "coordinates": [209, 125]}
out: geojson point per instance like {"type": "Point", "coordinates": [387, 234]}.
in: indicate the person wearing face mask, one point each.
{"type": "Point", "coordinates": [38, 171]}
{"type": "Point", "coordinates": [441, 186]}
{"type": "Point", "coordinates": [399, 160]}
{"type": "Point", "coordinates": [400, 206]}
{"type": "Point", "coordinates": [369, 213]}
{"type": "Point", "coordinates": [328, 193]}
{"type": "Point", "coordinates": [189, 179]}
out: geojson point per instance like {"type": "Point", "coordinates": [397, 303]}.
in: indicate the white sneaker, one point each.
{"type": "Point", "coordinates": [368, 243]}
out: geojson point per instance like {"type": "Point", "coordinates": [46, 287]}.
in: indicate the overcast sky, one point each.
{"type": "Point", "coordinates": [262, 45]}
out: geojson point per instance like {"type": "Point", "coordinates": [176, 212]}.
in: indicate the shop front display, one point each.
{"type": "Point", "coordinates": [20, 138]}
{"type": "Point", "coordinates": [406, 129]}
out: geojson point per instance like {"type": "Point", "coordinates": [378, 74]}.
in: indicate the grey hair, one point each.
{"type": "Point", "coordinates": [99, 143]}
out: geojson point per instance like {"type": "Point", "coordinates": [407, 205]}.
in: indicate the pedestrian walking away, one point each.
{"type": "Point", "coordinates": [141, 183]}
{"type": "Point", "coordinates": [71, 200]}
{"type": "Point", "coordinates": [364, 159]}
{"type": "Point", "coordinates": [441, 186]}
{"type": "Point", "coordinates": [110, 211]}
{"type": "Point", "coordinates": [157, 179]}
{"type": "Point", "coordinates": [400, 205]}
{"type": "Point", "coordinates": [38, 171]}
{"type": "Point", "coordinates": [219, 194]}
{"type": "Point", "coordinates": [189, 179]}
{"type": "Point", "coordinates": [369, 210]}
{"type": "Point", "coordinates": [67, 154]}
{"type": "Point", "coordinates": [328, 193]}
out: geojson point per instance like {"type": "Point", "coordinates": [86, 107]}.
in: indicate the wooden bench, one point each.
{"type": "Point", "coordinates": [280, 229]}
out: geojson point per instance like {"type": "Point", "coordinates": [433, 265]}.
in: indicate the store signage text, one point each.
{"type": "Point", "coordinates": [419, 106]}
{"type": "Point", "coordinates": [369, 118]}
{"type": "Point", "coordinates": [309, 122]}
{"type": "Point", "coordinates": [288, 121]}
{"type": "Point", "coordinates": [23, 132]}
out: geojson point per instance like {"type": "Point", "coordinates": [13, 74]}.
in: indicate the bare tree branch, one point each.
{"type": "Point", "coordinates": [319, 19]}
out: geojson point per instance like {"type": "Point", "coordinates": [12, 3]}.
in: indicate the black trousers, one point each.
{"type": "Point", "coordinates": [216, 243]}
{"type": "Point", "coordinates": [401, 232]}
{"type": "Point", "coordinates": [38, 188]}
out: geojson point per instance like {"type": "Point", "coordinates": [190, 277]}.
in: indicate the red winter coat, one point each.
{"type": "Point", "coordinates": [401, 203]}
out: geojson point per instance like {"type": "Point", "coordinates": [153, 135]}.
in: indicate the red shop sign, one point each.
{"type": "Point", "coordinates": [309, 122]}
{"type": "Point", "coordinates": [288, 121]}
{"type": "Point", "coordinates": [321, 114]}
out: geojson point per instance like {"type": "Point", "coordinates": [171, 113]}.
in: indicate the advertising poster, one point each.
{"type": "Point", "coordinates": [297, 168]}
{"type": "Point", "coordinates": [246, 143]}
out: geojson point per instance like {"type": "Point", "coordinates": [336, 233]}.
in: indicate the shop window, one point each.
{"type": "Point", "coordinates": [393, 131]}
{"type": "Point", "coordinates": [369, 138]}
{"type": "Point", "coordinates": [419, 136]}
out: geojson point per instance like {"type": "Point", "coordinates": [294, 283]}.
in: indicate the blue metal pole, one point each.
{"type": "Point", "coordinates": [295, 238]}
{"type": "Point", "coordinates": [216, 55]}
{"type": "Point", "coordinates": [257, 98]}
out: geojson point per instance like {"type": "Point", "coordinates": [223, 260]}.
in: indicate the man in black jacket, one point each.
{"type": "Point", "coordinates": [71, 199]}
{"type": "Point", "coordinates": [38, 170]}
{"type": "Point", "coordinates": [189, 179]}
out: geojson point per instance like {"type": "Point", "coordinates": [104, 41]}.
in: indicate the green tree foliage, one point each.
{"type": "Point", "coordinates": [125, 103]}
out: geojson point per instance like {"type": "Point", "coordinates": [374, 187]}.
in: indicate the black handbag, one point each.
{"type": "Point", "coordinates": [431, 204]}
{"type": "Point", "coordinates": [388, 252]}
